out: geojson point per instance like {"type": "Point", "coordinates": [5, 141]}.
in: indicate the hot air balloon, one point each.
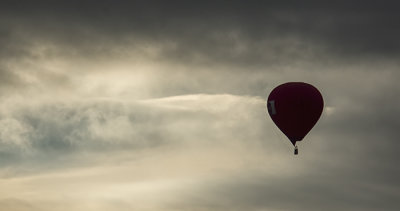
{"type": "Point", "coordinates": [295, 108]}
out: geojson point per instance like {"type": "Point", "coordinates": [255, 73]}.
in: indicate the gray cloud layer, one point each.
{"type": "Point", "coordinates": [251, 33]}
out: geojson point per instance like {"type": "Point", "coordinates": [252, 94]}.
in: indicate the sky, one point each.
{"type": "Point", "coordinates": [160, 105]}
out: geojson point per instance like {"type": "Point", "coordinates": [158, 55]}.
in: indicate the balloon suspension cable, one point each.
{"type": "Point", "coordinates": [296, 150]}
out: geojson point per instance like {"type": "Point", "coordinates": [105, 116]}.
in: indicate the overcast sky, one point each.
{"type": "Point", "coordinates": [160, 105]}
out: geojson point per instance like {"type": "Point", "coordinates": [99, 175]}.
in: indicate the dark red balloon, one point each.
{"type": "Point", "coordinates": [295, 108]}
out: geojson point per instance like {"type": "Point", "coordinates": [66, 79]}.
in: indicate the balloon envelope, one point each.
{"type": "Point", "coordinates": [295, 108]}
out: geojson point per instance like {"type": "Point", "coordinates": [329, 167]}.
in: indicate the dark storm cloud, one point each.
{"type": "Point", "coordinates": [242, 37]}
{"type": "Point", "coordinates": [251, 32]}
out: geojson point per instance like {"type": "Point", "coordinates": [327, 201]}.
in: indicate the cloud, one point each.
{"type": "Point", "coordinates": [16, 205]}
{"type": "Point", "coordinates": [254, 33]}
{"type": "Point", "coordinates": [37, 132]}
{"type": "Point", "coordinates": [246, 46]}
{"type": "Point", "coordinates": [168, 146]}
{"type": "Point", "coordinates": [226, 164]}
{"type": "Point", "coordinates": [160, 106]}
{"type": "Point", "coordinates": [313, 190]}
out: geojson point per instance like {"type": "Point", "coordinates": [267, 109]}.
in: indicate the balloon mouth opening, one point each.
{"type": "Point", "coordinates": [295, 139]}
